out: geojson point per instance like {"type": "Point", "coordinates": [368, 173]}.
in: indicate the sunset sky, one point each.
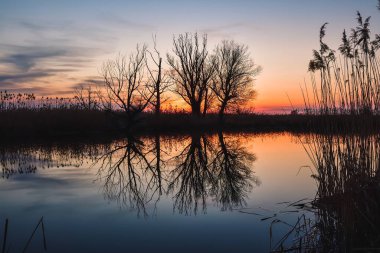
{"type": "Point", "coordinates": [52, 47]}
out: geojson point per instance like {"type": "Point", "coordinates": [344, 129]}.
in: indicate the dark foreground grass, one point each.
{"type": "Point", "coordinates": [52, 123]}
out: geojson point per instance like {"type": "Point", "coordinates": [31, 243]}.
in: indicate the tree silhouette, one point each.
{"type": "Point", "coordinates": [158, 82]}
{"type": "Point", "coordinates": [234, 74]}
{"type": "Point", "coordinates": [191, 69]}
{"type": "Point", "coordinates": [125, 84]}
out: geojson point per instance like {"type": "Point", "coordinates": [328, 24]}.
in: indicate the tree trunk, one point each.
{"type": "Point", "coordinates": [158, 94]}
{"type": "Point", "coordinates": [221, 111]}
{"type": "Point", "coordinates": [196, 109]}
{"type": "Point", "coordinates": [205, 107]}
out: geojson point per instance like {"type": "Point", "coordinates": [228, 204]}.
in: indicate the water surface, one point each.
{"type": "Point", "coordinates": [199, 193]}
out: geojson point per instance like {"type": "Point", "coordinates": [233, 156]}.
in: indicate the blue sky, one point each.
{"type": "Point", "coordinates": [51, 47]}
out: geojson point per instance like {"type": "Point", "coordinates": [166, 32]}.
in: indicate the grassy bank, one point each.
{"type": "Point", "coordinates": [49, 123]}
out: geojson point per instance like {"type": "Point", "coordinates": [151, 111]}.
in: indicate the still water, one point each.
{"type": "Point", "coordinates": [201, 193]}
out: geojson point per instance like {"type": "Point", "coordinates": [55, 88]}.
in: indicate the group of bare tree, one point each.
{"type": "Point", "coordinates": [206, 81]}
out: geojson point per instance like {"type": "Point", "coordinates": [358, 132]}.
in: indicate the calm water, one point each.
{"type": "Point", "coordinates": [203, 193]}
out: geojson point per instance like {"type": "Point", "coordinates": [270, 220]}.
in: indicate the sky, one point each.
{"type": "Point", "coordinates": [51, 47]}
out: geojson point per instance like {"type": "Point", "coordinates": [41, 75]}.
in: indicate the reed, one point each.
{"type": "Point", "coordinates": [40, 224]}
{"type": "Point", "coordinates": [346, 168]}
{"type": "Point", "coordinates": [346, 204]}
{"type": "Point", "coordinates": [346, 81]}
{"type": "Point", "coordinates": [347, 174]}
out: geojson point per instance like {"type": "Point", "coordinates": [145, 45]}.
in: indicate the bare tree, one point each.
{"type": "Point", "coordinates": [191, 70]}
{"type": "Point", "coordinates": [234, 74]}
{"type": "Point", "coordinates": [125, 84]}
{"type": "Point", "coordinates": [158, 82]}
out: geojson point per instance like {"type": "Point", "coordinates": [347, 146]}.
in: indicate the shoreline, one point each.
{"type": "Point", "coordinates": [69, 123]}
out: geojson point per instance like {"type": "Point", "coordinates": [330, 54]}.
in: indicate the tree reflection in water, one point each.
{"type": "Point", "coordinates": [214, 168]}
{"type": "Point", "coordinates": [136, 172]}
{"type": "Point", "coordinates": [232, 171]}
{"type": "Point", "coordinates": [191, 177]}
{"type": "Point", "coordinates": [129, 175]}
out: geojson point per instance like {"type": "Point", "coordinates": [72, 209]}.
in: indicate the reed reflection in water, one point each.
{"type": "Point", "coordinates": [347, 201]}
{"type": "Point", "coordinates": [27, 158]}
{"type": "Point", "coordinates": [348, 196]}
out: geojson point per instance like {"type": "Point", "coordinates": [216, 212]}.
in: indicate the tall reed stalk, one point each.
{"type": "Point", "coordinates": [347, 200]}
{"type": "Point", "coordinates": [347, 81]}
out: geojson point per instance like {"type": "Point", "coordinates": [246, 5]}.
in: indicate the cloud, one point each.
{"type": "Point", "coordinates": [24, 77]}
{"type": "Point", "coordinates": [26, 57]}
{"type": "Point", "coordinates": [55, 50]}
{"type": "Point", "coordinates": [29, 65]}
{"type": "Point", "coordinates": [86, 82]}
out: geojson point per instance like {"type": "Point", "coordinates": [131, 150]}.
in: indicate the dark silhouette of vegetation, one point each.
{"type": "Point", "coordinates": [347, 174]}
{"type": "Point", "coordinates": [191, 69]}
{"type": "Point", "coordinates": [39, 224]}
{"type": "Point", "coordinates": [347, 86]}
{"type": "Point", "coordinates": [5, 242]}
{"type": "Point", "coordinates": [87, 98]}
{"type": "Point", "coordinates": [234, 72]}
{"type": "Point", "coordinates": [124, 84]}
{"type": "Point", "coordinates": [214, 85]}
{"type": "Point", "coordinates": [346, 204]}
{"type": "Point", "coordinates": [133, 87]}
{"type": "Point", "coordinates": [47, 118]}
{"type": "Point", "coordinates": [159, 81]}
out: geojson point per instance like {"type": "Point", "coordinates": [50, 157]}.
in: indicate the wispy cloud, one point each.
{"type": "Point", "coordinates": [7, 80]}
{"type": "Point", "coordinates": [84, 83]}
{"type": "Point", "coordinates": [28, 59]}
{"type": "Point", "coordinates": [228, 30]}
{"type": "Point", "coordinates": [51, 51]}
{"type": "Point", "coordinates": [115, 21]}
